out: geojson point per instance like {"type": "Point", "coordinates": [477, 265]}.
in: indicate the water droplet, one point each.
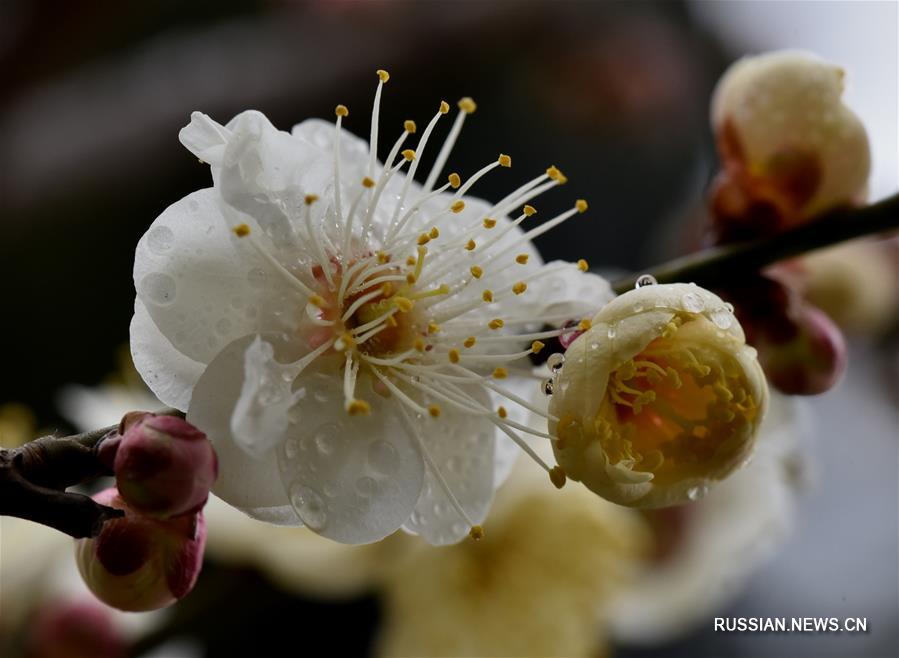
{"type": "Point", "coordinates": [366, 486]}
{"type": "Point", "coordinates": [722, 319]}
{"type": "Point", "coordinates": [645, 280]}
{"type": "Point", "coordinates": [638, 307]}
{"type": "Point", "coordinates": [159, 288]}
{"type": "Point", "coordinates": [594, 345]}
{"type": "Point", "coordinates": [309, 505]}
{"type": "Point", "coordinates": [441, 508]}
{"type": "Point", "coordinates": [382, 458]}
{"type": "Point", "coordinates": [330, 490]}
{"type": "Point", "coordinates": [325, 442]}
{"type": "Point", "coordinates": [555, 361]}
{"type": "Point", "coordinates": [290, 448]}
{"type": "Point", "coordinates": [257, 277]}
{"type": "Point", "coordinates": [729, 307]}
{"type": "Point", "coordinates": [547, 387]}
{"type": "Point", "coordinates": [692, 303]}
{"type": "Point", "coordinates": [160, 239]}
{"type": "Point", "coordinates": [695, 493]}
{"type": "Point", "coordinates": [460, 528]}
{"type": "Point", "coordinates": [223, 326]}
{"type": "Point", "coordinates": [612, 331]}
{"type": "Point", "coordinates": [455, 465]}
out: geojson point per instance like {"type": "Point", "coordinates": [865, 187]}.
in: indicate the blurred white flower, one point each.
{"type": "Point", "coordinates": [347, 338]}
{"type": "Point", "coordinates": [708, 550]}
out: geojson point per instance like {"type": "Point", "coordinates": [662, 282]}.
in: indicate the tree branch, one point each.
{"type": "Point", "coordinates": [34, 478]}
{"type": "Point", "coordinates": [719, 265]}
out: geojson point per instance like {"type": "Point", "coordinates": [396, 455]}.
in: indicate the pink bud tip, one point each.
{"type": "Point", "coordinates": [79, 628]}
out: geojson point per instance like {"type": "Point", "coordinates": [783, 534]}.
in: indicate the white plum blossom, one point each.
{"type": "Point", "coordinates": [354, 343]}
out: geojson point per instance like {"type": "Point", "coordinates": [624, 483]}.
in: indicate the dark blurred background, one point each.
{"type": "Point", "coordinates": [93, 93]}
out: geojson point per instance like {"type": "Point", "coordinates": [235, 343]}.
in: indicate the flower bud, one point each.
{"type": "Point", "coordinates": [138, 563]}
{"type": "Point", "coordinates": [658, 399]}
{"type": "Point", "coordinates": [74, 629]}
{"type": "Point", "coordinates": [164, 466]}
{"type": "Point", "coordinates": [789, 147]}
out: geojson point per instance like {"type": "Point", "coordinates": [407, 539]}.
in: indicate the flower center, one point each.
{"type": "Point", "coordinates": [673, 409]}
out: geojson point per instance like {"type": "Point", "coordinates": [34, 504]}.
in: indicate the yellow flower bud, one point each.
{"type": "Point", "coordinates": [659, 399]}
{"type": "Point", "coordinates": [779, 118]}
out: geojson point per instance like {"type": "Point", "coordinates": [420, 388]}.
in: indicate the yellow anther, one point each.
{"type": "Point", "coordinates": [556, 175]}
{"type": "Point", "coordinates": [584, 324]}
{"type": "Point", "coordinates": [471, 245]}
{"type": "Point", "coordinates": [419, 345]}
{"type": "Point", "coordinates": [409, 154]}
{"type": "Point", "coordinates": [454, 180]}
{"type": "Point", "coordinates": [410, 278]}
{"type": "Point", "coordinates": [387, 289]}
{"type": "Point", "coordinates": [433, 327]}
{"type": "Point", "coordinates": [391, 321]}
{"type": "Point", "coordinates": [358, 408]}
{"type": "Point", "coordinates": [454, 355]}
{"type": "Point", "coordinates": [383, 75]}
{"type": "Point", "coordinates": [476, 272]}
{"type": "Point", "coordinates": [557, 477]}
{"type": "Point", "coordinates": [467, 105]}
{"type": "Point", "coordinates": [476, 533]}
{"type": "Point", "coordinates": [501, 412]}
{"type": "Point", "coordinates": [367, 182]}
{"type": "Point", "coordinates": [529, 211]}
{"type": "Point", "coordinates": [341, 111]}
{"type": "Point", "coordinates": [504, 160]}
{"type": "Point", "coordinates": [410, 261]}
{"type": "Point", "coordinates": [500, 373]}
{"type": "Point", "coordinates": [404, 304]}
{"type": "Point", "coordinates": [581, 205]}
{"type": "Point", "coordinates": [496, 323]}
{"type": "Point", "coordinates": [241, 230]}
{"type": "Point", "coordinates": [423, 239]}
{"type": "Point", "coordinates": [434, 410]}
{"type": "Point", "coordinates": [519, 287]}
{"type": "Point", "coordinates": [522, 259]}
{"type": "Point", "coordinates": [536, 346]}
{"type": "Point", "coordinates": [444, 107]}
{"type": "Point", "coordinates": [458, 206]}
{"type": "Point", "coordinates": [409, 126]}
{"type": "Point", "coordinates": [470, 341]}
{"type": "Point", "coordinates": [433, 233]}
{"type": "Point", "coordinates": [489, 222]}
{"type": "Point", "coordinates": [310, 199]}
{"type": "Point", "coordinates": [317, 300]}
{"type": "Point", "coordinates": [582, 265]}
{"type": "Point", "coordinates": [487, 296]}
{"type": "Point", "coordinates": [383, 257]}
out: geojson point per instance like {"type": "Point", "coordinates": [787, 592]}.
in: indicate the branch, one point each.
{"type": "Point", "coordinates": [34, 478]}
{"type": "Point", "coordinates": [719, 265]}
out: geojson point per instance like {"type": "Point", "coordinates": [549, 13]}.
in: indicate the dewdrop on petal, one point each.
{"type": "Point", "coordinates": [658, 399]}
{"type": "Point", "coordinates": [786, 139]}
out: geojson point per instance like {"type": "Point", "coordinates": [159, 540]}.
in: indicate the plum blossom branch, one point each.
{"type": "Point", "coordinates": [717, 265]}
{"type": "Point", "coordinates": [34, 478]}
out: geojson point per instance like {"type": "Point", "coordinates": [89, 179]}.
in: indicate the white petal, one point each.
{"type": "Point", "coordinates": [462, 446]}
{"type": "Point", "coordinates": [259, 421]}
{"type": "Point", "coordinates": [354, 479]}
{"type": "Point", "coordinates": [205, 138]}
{"type": "Point", "coordinates": [568, 292]}
{"type": "Point", "coordinates": [251, 485]}
{"type": "Point", "coordinates": [266, 174]}
{"type": "Point", "coordinates": [202, 285]}
{"type": "Point", "coordinates": [353, 151]}
{"type": "Point", "coordinates": [170, 374]}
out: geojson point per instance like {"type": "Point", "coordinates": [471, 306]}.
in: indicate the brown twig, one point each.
{"type": "Point", "coordinates": [713, 267]}
{"type": "Point", "coordinates": [34, 478]}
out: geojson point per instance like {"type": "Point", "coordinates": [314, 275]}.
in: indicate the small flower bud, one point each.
{"type": "Point", "coordinates": [658, 399]}
{"type": "Point", "coordinates": [74, 629]}
{"type": "Point", "coordinates": [789, 146]}
{"type": "Point", "coordinates": [164, 466]}
{"type": "Point", "coordinates": [138, 563]}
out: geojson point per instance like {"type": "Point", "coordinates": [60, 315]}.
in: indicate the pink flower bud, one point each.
{"type": "Point", "coordinates": [74, 629]}
{"type": "Point", "coordinates": [138, 563]}
{"type": "Point", "coordinates": [164, 466]}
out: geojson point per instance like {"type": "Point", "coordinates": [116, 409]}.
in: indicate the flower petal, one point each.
{"type": "Point", "coordinates": [251, 485]}
{"type": "Point", "coordinates": [205, 138]}
{"type": "Point", "coordinates": [567, 292]}
{"type": "Point", "coordinates": [203, 286]}
{"type": "Point", "coordinates": [170, 374]}
{"type": "Point", "coordinates": [462, 446]}
{"type": "Point", "coordinates": [353, 479]}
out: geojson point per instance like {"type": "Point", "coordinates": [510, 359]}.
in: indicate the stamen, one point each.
{"type": "Point", "coordinates": [448, 144]}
